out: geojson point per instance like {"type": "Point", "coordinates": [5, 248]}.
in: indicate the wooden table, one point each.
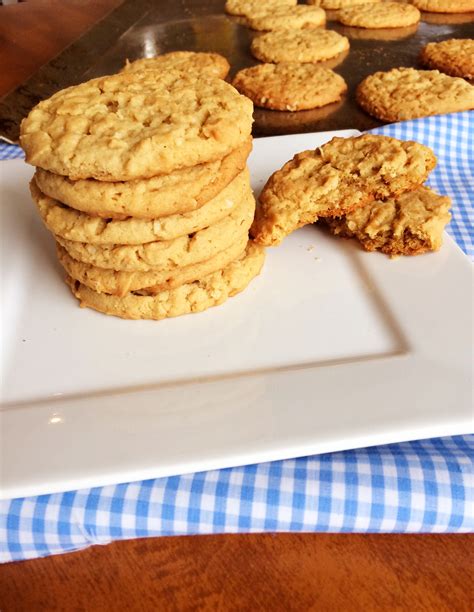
{"type": "Point", "coordinates": [234, 572]}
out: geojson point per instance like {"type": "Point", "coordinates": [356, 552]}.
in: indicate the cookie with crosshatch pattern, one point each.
{"type": "Point", "coordinates": [406, 93]}
{"type": "Point", "coordinates": [290, 86]}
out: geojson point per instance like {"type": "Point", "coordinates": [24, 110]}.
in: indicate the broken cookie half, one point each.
{"type": "Point", "coordinates": [336, 179]}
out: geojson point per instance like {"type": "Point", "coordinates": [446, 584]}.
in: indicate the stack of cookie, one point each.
{"type": "Point", "coordinates": [142, 179]}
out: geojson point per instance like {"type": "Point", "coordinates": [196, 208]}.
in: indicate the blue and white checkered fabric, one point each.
{"type": "Point", "coordinates": [452, 139]}
{"type": "Point", "coordinates": [424, 486]}
{"type": "Point", "coordinates": [8, 151]}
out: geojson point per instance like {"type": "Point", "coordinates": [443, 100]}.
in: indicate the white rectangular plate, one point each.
{"type": "Point", "coordinates": [330, 348]}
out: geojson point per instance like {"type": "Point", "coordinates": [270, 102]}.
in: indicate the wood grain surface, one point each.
{"type": "Point", "coordinates": [33, 32]}
{"type": "Point", "coordinates": [236, 572]}
{"type": "Point", "coordinates": [285, 572]}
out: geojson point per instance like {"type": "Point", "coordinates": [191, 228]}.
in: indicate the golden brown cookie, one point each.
{"type": "Point", "coordinates": [406, 93]}
{"type": "Point", "coordinates": [207, 64]}
{"type": "Point", "coordinates": [380, 15]}
{"type": "Point", "coordinates": [167, 254]}
{"type": "Point", "coordinates": [180, 191]}
{"type": "Point", "coordinates": [288, 18]}
{"type": "Point", "coordinates": [114, 282]}
{"type": "Point", "coordinates": [136, 125]}
{"type": "Point", "coordinates": [81, 227]}
{"type": "Point", "coordinates": [335, 179]}
{"type": "Point", "coordinates": [445, 6]}
{"type": "Point", "coordinates": [298, 46]}
{"type": "Point", "coordinates": [290, 86]}
{"type": "Point", "coordinates": [454, 57]}
{"type": "Point", "coordinates": [250, 7]}
{"type": "Point", "coordinates": [410, 224]}
{"type": "Point", "coordinates": [190, 297]}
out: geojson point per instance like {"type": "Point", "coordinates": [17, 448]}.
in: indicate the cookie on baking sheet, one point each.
{"type": "Point", "coordinates": [410, 224]}
{"type": "Point", "coordinates": [250, 7]}
{"type": "Point", "coordinates": [197, 296]}
{"type": "Point", "coordinates": [331, 5]}
{"type": "Point", "coordinates": [445, 6]}
{"type": "Point", "coordinates": [454, 57]}
{"type": "Point", "coordinates": [180, 191]}
{"type": "Point", "coordinates": [81, 227]}
{"type": "Point", "coordinates": [167, 254]}
{"type": "Point", "coordinates": [114, 282]}
{"type": "Point", "coordinates": [406, 93]}
{"type": "Point", "coordinates": [290, 86]}
{"type": "Point", "coordinates": [210, 64]}
{"type": "Point", "coordinates": [335, 179]}
{"type": "Point", "coordinates": [298, 46]}
{"type": "Point", "coordinates": [383, 15]}
{"type": "Point", "coordinates": [288, 18]}
{"type": "Point", "coordinates": [136, 125]}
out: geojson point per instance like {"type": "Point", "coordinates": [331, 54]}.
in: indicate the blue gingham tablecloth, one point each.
{"type": "Point", "coordinates": [422, 486]}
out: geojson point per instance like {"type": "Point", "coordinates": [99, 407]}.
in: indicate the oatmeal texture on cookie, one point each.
{"type": "Point", "coordinates": [288, 18]}
{"type": "Point", "coordinates": [167, 254]}
{"type": "Point", "coordinates": [454, 57]}
{"type": "Point", "coordinates": [251, 7]}
{"type": "Point", "coordinates": [136, 125]}
{"type": "Point", "coordinates": [81, 227]}
{"type": "Point", "coordinates": [180, 191]}
{"type": "Point", "coordinates": [410, 224]}
{"type": "Point", "coordinates": [290, 86]}
{"type": "Point", "coordinates": [445, 6]}
{"type": "Point", "coordinates": [338, 4]}
{"type": "Point", "coordinates": [383, 15]}
{"type": "Point", "coordinates": [406, 93]}
{"type": "Point", "coordinates": [209, 291]}
{"type": "Point", "coordinates": [335, 179]}
{"type": "Point", "coordinates": [210, 64]}
{"type": "Point", "coordinates": [115, 282]}
{"type": "Point", "coordinates": [298, 46]}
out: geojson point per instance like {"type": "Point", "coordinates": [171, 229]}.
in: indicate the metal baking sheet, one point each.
{"type": "Point", "coordinates": [143, 28]}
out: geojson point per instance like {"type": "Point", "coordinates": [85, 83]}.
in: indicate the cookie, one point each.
{"type": "Point", "coordinates": [406, 93]}
{"type": "Point", "coordinates": [288, 18]}
{"type": "Point", "coordinates": [112, 282]}
{"type": "Point", "coordinates": [135, 125]}
{"type": "Point", "coordinates": [338, 4]}
{"type": "Point", "coordinates": [335, 179]}
{"type": "Point", "coordinates": [298, 46]}
{"type": "Point", "coordinates": [167, 254]}
{"type": "Point", "coordinates": [191, 297]}
{"type": "Point", "coordinates": [181, 191]}
{"type": "Point", "coordinates": [383, 15]}
{"type": "Point", "coordinates": [206, 64]}
{"type": "Point", "coordinates": [290, 86]}
{"type": "Point", "coordinates": [409, 224]}
{"type": "Point", "coordinates": [81, 227]}
{"type": "Point", "coordinates": [249, 7]}
{"type": "Point", "coordinates": [454, 57]}
{"type": "Point", "coordinates": [445, 6]}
